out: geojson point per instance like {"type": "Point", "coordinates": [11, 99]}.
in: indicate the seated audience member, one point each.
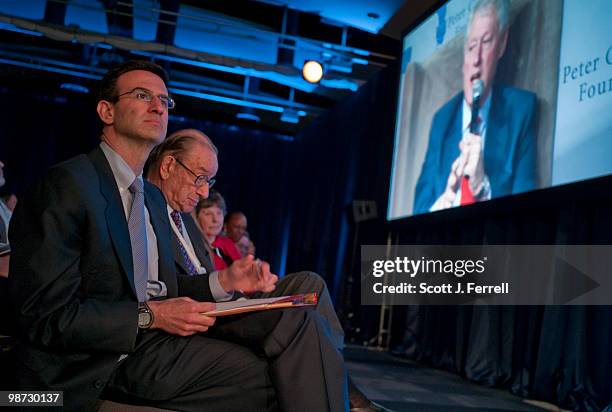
{"type": "Point", "coordinates": [251, 247]}
{"type": "Point", "coordinates": [183, 167]}
{"type": "Point", "coordinates": [209, 214]}
{"type": "Point", "coordinates": [245, 245]}
{"type": "Point", "coordinates": [235, 225]}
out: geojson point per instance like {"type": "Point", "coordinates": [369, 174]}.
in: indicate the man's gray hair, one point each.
{"type": "Point", "coordinates": [176, 144]}
{"type": "Point", "coordinates": [200, 134]}
{"type": "Point", "coordinates": [501, 8]}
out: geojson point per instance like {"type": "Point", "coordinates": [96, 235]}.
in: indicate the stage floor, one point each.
{"type": "Point", "coordinates": [403, 385]}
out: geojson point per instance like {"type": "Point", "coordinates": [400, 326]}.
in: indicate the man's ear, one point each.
{"type": "Point", "coordinates": [106, 112]}
{"type": "Point", "coordinates": [165, 167]}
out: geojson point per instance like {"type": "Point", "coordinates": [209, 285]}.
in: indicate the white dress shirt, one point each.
{"type": "Point", "coordinates": [217, 291]}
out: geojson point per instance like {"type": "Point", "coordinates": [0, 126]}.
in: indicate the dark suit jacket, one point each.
{"type": "Point", "coordinates": [71, 283]}
{"type": "Point", "coordinates": [510, 146]}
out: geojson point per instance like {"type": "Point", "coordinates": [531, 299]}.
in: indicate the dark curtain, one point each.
{"type": "Point", "coordinates": [341, 157]}
{"type": "Point", "coordinates": [559, 354]}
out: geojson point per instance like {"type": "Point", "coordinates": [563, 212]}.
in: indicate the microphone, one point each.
{"type": "Point", "coordinates": [477, 86]}
{"type": "Point", "coordinates": [467, 197]}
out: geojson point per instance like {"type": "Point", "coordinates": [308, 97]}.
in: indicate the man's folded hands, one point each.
{"type": "Point", "coordinates": [248, 275]}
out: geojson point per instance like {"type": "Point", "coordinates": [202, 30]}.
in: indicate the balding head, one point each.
{"type": "Point", "coordinates": [177, 144]}
{"type": "Point", "coordinates": [183, 167]}
{"type": "Point", "coordinates": [195, 134]}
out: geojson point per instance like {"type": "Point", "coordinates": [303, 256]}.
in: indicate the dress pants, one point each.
{"type": "Point", "coordinates": [261, 361]}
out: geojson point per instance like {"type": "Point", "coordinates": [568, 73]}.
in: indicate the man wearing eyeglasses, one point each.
{"type": "Point", "coordinates": [100, 310]}
{"type": "Point", "coordinates": [183, 167]}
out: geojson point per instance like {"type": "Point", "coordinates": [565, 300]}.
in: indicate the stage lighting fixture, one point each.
{"type": "Point", "coordinates": [312, 71]}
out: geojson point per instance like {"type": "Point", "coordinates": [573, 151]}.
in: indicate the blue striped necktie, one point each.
{"type": "Point", "coordinates": [138, 239]}
{"type": "Point", "coordinates": [176, 217]}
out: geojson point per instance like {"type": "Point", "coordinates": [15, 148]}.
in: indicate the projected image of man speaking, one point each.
{"type": "Point", "coordinates": [482, 141]}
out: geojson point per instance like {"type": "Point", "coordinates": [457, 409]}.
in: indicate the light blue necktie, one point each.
{"type": "Point", "coordinates": [138, 239]}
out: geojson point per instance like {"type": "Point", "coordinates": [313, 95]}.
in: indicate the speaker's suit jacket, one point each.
{"type": "Point", "coordinates": [71, 283]}
{"type": "Point", "coordinates": [510, 146]}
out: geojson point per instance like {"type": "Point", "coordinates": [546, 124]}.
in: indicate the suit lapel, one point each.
{"type": "Point", "coordinates": [159, 220]}
{"type": "Point", "coordinates": [498, 142]}
{"type": "Point", "coordinates": [196, 240]}
{"type": "Point", "coordinates": [114, 213]}
{"type": "Point", "coordinates": [450, 150]}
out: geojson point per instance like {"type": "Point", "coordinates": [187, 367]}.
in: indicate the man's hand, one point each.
{"type": "Point", "coordinates": [248, 275]}
{"type": "Point", "coordinates": [181, 316]}
{"type": "Point", "coordinates": [472, 163]}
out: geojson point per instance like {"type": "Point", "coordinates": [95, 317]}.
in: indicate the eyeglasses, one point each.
{"type": "Point", "coordinates": [199, 179]}
{"type": "Point", "coordinates": [146, 96]}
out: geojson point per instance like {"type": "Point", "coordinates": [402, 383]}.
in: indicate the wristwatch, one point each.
{"type": "Point", "coordinates": [145, 316]}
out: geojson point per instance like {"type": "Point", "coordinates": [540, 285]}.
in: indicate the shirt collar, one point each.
{"type": "Point", "coordinates": [170, 210]}
{"type": "Point", "coordinates": [124, 175]}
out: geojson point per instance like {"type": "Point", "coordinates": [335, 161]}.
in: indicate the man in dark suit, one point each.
{"type": "Point", "coordinates": [100, 310]}
{"type": "Point", "coordinates": [181, 166]}
{"type": "Point", "coordinates": [500, 158]}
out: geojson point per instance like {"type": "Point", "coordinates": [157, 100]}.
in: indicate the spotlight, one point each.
{"type": "Point", "coordinates": [312, 71]}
